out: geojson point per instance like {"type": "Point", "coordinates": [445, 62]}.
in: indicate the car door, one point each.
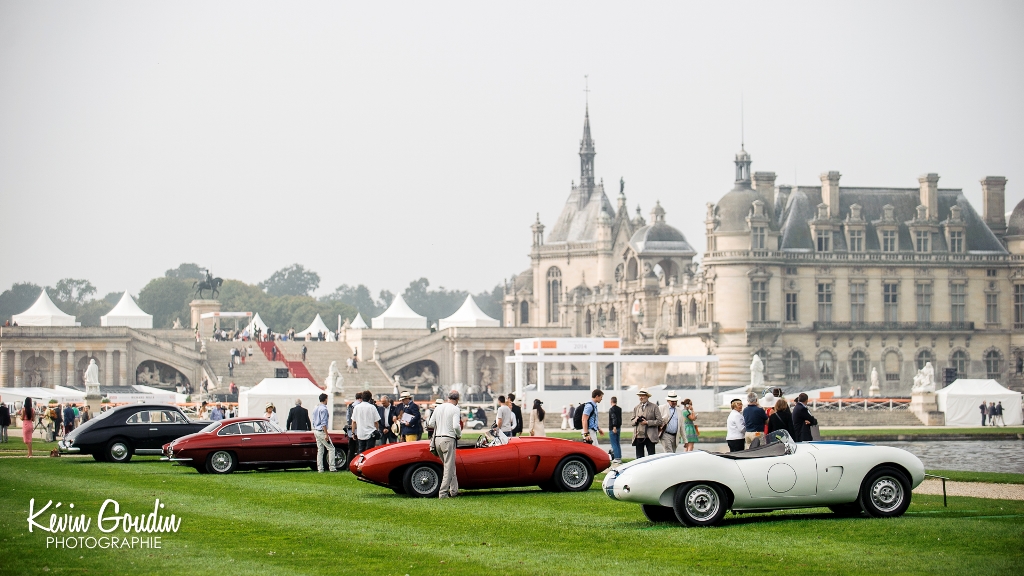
{"type": "Point", "coordinates": [778, 478]}
{"type": "Point", "coordinates": [299, 446]}
{"type": "Point", "coordinates": [489, 466]}
{"type": "Point", "coordinates": [140, 430]}
{"type": "Point", "coordinates": [251, 447]}
{"type": "Point", "coordinates": [228, 438]}
{"type": "Point", "coordinates": [165, 426]}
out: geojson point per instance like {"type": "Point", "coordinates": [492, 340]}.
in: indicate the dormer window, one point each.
{"type": "Point", "coordinates": [889, 243]}
{"type": "Point", "coordinates": [824, 240]}
{"type": "Point", "coordinates": [758, 238]}
{"type": "Point", "coordinates": [856, 240]}
{"type": "Point", "coordinates": [922, 241]}
{"type": "Point", "coordinates": [956, 241]}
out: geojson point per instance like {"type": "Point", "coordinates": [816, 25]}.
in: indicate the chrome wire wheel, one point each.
{"type": "Point", "coordinates": [886, 493]}
{"type": "Point", "coordinates": [425, 480]}
{"type": "Point", "coordinates": [221, 462]}
{"type": "Point", "coordinates": [702, 502]}
{"type": "Point", "coordinates": [575, 474]}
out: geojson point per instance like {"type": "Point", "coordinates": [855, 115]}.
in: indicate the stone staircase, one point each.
{"type": "Point", "coordinates": [319, 356]}
{"type": "Point", "coordinates": [256, 367]}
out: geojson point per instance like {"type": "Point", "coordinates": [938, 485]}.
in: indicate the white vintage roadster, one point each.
{"type": "Point", "coordinates": [697, 488]}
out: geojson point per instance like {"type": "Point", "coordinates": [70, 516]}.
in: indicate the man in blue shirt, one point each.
{"type": "Point", "coordinates": [591, 429]}
{"type": "Point", "coordinates": [323, 440]}
{"type": "Point", "coordinates": [69, 419]}
{"type": "Point", "coordinates": [670, 415]}
{"type": "Point", "coordinates": [754, 418]}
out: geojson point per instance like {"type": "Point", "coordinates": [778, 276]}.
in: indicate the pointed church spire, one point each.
{"type": "Point", "coordinates": [587, 153]}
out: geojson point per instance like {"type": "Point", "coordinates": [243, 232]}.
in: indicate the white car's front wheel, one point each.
{"type": "Point", "coordinates": [700, 504]}
{"type": "Point", "coordinates": [885, 493]}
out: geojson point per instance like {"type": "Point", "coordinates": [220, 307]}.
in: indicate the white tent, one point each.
{"type": "Point", "coordinates": [961, 402]}
{"type": "Point", "coordinates": [358, 323]}
{"type": "Point", "coordinates": [61, 394]}
{"type": "Point", "coordinates": [399, 315]}
{"type": "Point", "coordinates": [127, 313]}
{"type": "Point", "coordinates": [257, 322]}
{"type": "Point", "coordinates": [161, 395]}
{"type": "Point", "coordinates": [44, 313]}
{"type": "Point", "coordinates": [469, 315]}
{"type": "Point", "coordinates": [315, 328]}
{"type": "Point", "coordinates": [282, 392]}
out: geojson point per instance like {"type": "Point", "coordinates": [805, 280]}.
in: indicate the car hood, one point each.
{"type": "Point", "coordinates": [648, 460]}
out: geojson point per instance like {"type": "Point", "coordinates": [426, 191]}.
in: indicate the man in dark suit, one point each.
{"type": "Point", "coordinates": [69, 419]}
{"type": "Point", "coordinates": [387, 414]}
{"type": "Point", "coordinates": [615, 429]}
{"type": "Point", "coordinates": [298, 417]}
{"type": "Point", "coordinates": [517, 430]}
{"type": "Point", "coordinates": [802, 420]}
{"type": "Point", "coordinates": [413, 429]}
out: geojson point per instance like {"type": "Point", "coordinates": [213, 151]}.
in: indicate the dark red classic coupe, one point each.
{"type": "Point", "coordinates": [250, 443]}
{"type": "Point", "coordinates": [551, 463]}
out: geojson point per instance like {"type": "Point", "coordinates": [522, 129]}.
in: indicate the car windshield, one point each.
{"type": "Point", "coordinates": [783, 437]}
{"type": "Point", "coordinates": [211, 427]}
{"type": "Point", "coordinates": [271, 427]}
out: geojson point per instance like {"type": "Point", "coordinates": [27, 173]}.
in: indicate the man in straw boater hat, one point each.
{"type": "Point", "coordinates": [671, 423]}
{"type": "Point", "coordinates": [646, 424]}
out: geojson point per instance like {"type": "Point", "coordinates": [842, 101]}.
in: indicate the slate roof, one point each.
{"type": "Point", "coordinates": [660, 237]}
{"type": "Point", "coordinates": [580, 225]}
{"type": "Point", "coordinates": [1015, 224]}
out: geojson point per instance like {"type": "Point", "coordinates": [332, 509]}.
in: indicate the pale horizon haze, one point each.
{"type": "Point", "coordinates": [377, 143]}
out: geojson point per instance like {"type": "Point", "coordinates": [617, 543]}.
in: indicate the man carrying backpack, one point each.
{"type": "Point", "coordinates": [588, 418]}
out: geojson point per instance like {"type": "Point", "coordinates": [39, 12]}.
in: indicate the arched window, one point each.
{"type": "Point", "coordinates": [993, 361]}
{"type": "Point", "coordinates": [958, 360]}
{"type": "Point", "coordinates": [825, 366]}
{"type": "Point", "coordinates": [588, 323]}
{"type": "Point", "coordinates": [792, 361]}
{"type": "Point", "coordinates": [679, 314]}
{"type": "Point", "coordinates": [923, 357]}
{"type": "Point", "coordinates": [632, 270]}
{"type": "Point", "coordinates": [612, 317]}
{"type": "Point", "coordinates": [524, 312]}
{"type": "Point", "coordinates": [858, 366]}
{"type": "Point", "coordinates": [892, 366]}
{"type": "Point", "coordinates": [693, 312]}
{"type": "Point", "coordinates": [554, 293]}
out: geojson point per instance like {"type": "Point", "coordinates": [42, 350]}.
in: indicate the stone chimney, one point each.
{"type": "Point", "coordinates": [930, 195]}
{"type": "Point", "coordinates": [993, 202]}
{"type": "Point", "coordinates": [764, 183]}
{"type": "Point", "coordinates": [830, 192]}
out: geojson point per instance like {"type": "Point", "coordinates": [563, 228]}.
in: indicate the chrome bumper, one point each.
{"type": "Point", "coordinates": [166, 459]}
{"type": "Point", "coordinates": [63, 448]}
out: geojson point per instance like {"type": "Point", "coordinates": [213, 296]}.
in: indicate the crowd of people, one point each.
{"type": "Point", "coordinates": [258, 335]}
{"type": "Point", "coordinates": [53, 421]}
{"type": "Point", "coordinates": [992, 414]}
{"type": "Point", "coordinates": [747, 423]}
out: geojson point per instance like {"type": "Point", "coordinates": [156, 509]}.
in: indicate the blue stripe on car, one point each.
{"type": "Point", "coordinates": [842, 442]}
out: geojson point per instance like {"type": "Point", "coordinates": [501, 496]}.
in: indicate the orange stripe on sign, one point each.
{"type": "Point", "coordinates": [548, 344]}
{"type": "Point", "coordinates": [517, 345]}
{"type": "Point", "coordinates": [611, 343]}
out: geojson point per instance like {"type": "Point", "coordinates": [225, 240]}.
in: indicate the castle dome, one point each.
{"type": "Point", "coordinates": [1015, 224]}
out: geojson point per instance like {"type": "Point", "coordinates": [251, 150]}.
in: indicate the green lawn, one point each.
{"type": "Point", "coordinates": [997, 477]}
{"type": "Point", "coordinates": [305, 523]}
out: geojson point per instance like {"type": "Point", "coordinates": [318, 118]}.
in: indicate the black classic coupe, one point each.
{"type": "Point", "coordinates": [118, 434]}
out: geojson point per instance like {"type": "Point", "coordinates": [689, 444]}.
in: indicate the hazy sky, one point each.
{"type": "Point", "coordinates": [379, 142]}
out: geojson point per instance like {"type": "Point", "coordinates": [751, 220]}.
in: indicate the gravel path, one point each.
{"type": "Point", "coordinates": [972, 489]}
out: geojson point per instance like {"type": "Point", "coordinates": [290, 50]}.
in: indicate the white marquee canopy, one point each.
{"type": "Point", "coordinates": [44, 313]}
{"type": "Point", "coordinates": [257, 322]}
{"type": "Point", "coordinates": [468, 315]}
{"type": "Point", "coordinates": [399, 315]}
{"type": "Point", "coordinates": [315, 328]}
{"type": "Point", "coordinates": [359, 323]}
{"type": "Point", "coordinates": [127, 313]}
{"type": "Point", "coordinates": [961, 402]}
{"type": "Point", "coordinates": [282, 392]}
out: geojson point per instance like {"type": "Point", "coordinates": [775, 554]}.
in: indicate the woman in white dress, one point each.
{"type": "Point", "coordinates": [271, 414]}
{"type": "Point", "coordinates": [537, 419]}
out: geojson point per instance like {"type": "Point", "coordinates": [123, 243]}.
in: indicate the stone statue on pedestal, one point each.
{"type": "Point", "coordinates": [924, 381]}
{"type": "Point", "coordinates": [875, 390]}
{"type": "Point", "coordinates": [177, 324]}
{"type": "Point", "coordinates": [92, 386]}
{"type": "Point", "coordinates": [756, 374]}
{"type": "Point", "coordinates": [333, 377]}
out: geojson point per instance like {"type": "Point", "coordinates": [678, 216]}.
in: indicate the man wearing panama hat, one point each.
{"type": "Point", "coordinates": [671, 425]}
{"type": "Point", "coordinates": [646, 424]}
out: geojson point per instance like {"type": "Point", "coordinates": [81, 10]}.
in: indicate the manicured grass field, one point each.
{"type": "Point", "coordinates": [996, 477]}
{"type": "Point", "coordinates": [300, 522]}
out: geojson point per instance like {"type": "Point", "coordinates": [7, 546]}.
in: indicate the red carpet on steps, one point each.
{"type": "Point", "coordinates": [296, 368]}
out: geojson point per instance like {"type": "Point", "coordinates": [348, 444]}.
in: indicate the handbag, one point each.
{"type": "Point", "coordinates": [375, 435]}
{"type": "Point", "coordinates": [433, 446]}
{"type": "Point", "coordinates": [640, 439]}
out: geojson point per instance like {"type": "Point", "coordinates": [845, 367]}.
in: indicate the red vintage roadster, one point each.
{"type": "Point", "coordinates": [551, 463]}
{"type": "Point", "coordinates": [249, 443]}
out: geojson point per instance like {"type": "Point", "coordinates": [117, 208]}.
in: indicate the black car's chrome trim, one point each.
{"type": "Point", "coordinates": [66, 450]}
{"type": "Point", "coordinates": [149, 451]}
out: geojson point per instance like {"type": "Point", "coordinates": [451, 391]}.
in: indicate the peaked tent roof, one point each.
{"type": "Point", "coordinates": [44, 313]}
{"type": "Point", "coordinates": [468, 315]}
{"type": "Point", "coordinates": [960, 401]}
{"type": "Point", "coordinates": [399, 315]}
{"type": "Point", "coordinates": [257, 322]}
{"type": "Point", "coordinates": [315, 328]}
{"type": "Point", "coordinates": [127, 313]}
{"type": "Point", "coordinates": [359, 323]}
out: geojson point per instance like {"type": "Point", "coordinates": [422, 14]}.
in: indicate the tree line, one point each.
{"type": "Point", "coordinates": [284, 300]}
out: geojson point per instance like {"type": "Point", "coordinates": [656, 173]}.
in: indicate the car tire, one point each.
{"type": "Point", "coordinates": [341, 460]}
{"type": "Point", "coordinates": [700, 504]}
{"type": "Point", "coordinates": [573, 474]}
{"type": "Point", "coordinates": [98, 457]}
{"type": "Point", "coordinates": [221, 462]}
{"type": "Point", "coordinates": [422, 480]}
{"type": "Point", "coordinates": [848, 509]}
{"type": "Point", "coordinates": [656, 513]}
{"type": "Point", "coordinates": [885, 493]}
{"type": "Point", "coordinates": [119, 451]}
